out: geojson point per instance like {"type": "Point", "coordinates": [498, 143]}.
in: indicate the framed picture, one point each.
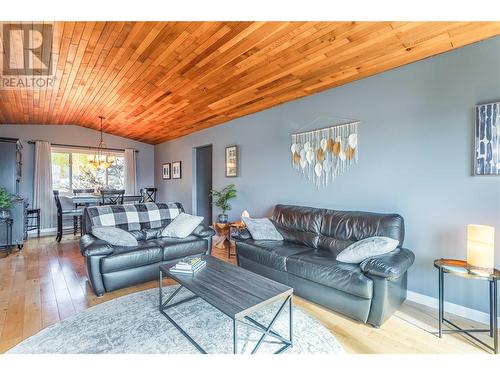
{"type": "Point", "coordinates": [232, 161]}
{"type": "Point", "coordinates": [176, 170]}
{"type": "Point", "coordinates": [166, 171]}
{"type": "Point", "coordinates": [487, 140]}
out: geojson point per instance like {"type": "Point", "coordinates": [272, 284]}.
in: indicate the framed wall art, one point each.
{"type": "Point", "coordinates": [232, 161]}
{"type": "Point", "coordinates": [487, 140]}
{"type": "Point", "coordinates": [176, 170]}
{"type": "Point", "coordinates": [166, 171]}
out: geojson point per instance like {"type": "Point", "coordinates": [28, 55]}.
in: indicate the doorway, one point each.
{"type": "Point", "coordinates": [203, 183]}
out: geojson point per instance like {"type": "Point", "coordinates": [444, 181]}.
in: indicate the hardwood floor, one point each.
{"type": "Point", "coordinates": [46, 282]}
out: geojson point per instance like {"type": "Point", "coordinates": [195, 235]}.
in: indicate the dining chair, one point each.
{"type": "Point", "coordinates": [148, 195]}
{"type": "Point", "coordinates": [77, 216]}
{"type": "Point", "coordinates": [82, 191]}
{"type": "Point", "coordinates": [111, 197]}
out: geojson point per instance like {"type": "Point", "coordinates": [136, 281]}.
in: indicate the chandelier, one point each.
{"type": "Point", "coordinates": [101, 159]}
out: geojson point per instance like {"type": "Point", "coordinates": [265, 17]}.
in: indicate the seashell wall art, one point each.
{"type": "Point", "coordinates": [323, 154]}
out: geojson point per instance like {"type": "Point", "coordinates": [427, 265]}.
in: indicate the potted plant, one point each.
{"type": "Point", "coordinates": [6, 203]}
{"type": "Point", "coordinates": [221, 198]}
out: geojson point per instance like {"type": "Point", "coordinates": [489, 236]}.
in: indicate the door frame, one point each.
{"type": "Point", "coordinates": [194, 194]}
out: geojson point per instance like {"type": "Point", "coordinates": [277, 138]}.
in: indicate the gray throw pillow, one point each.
{"type": "Point", "coordinates": [367, 248]}
{"type": "Point", "coordinates": [182, 226]}
{"type": "Point", "coordinates": [114, 236]}
{"type": "Point", "coordinates": [262, 229]}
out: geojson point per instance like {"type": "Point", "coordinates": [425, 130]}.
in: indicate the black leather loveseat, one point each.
{"type": "Point", "coordinates": [113, 267]}
{"type": "Point", "coordinates": [306, 260]}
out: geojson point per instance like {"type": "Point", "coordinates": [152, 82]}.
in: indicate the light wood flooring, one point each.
{"type": "Point", "coordinates": [46, 282]}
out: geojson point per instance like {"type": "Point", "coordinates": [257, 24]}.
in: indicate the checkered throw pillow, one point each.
{"type": "Point", "coordinates": [134, 216]}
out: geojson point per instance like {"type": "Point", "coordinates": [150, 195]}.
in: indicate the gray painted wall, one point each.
{"type": "Point", "coordinates": [74, 135]}
{"type": "Point", "coordinates": [415, 152]}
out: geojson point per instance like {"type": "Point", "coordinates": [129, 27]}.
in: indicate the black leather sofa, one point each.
{"type": "Point", "coordinates": [113, 267]}
{"type": "Point", "coordinates": [306, 260]}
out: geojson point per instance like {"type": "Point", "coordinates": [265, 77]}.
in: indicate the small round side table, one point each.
{"type": "Point", "coordinates": [462, 269]}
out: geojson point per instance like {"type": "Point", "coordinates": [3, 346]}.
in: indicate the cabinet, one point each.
{"type": "Point", "coordinates": [10, 178]}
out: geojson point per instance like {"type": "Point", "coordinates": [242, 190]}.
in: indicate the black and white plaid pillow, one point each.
{"type": "Point", "coordinates": [135, 216]}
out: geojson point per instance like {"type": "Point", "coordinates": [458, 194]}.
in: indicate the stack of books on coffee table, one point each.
{"type": "Point", "coordinates": [188, 266]}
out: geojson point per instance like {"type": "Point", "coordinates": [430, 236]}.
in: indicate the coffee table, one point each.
{"type": "Point", "coordinates": [234, 291]}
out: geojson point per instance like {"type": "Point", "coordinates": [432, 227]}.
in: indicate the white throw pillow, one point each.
{"type": "Point", "coordinates": [262, 229]}
{"type": "Point", "coordinates": [182, 226]}
{"type": "Point", "coordinates": [114, 236]}
{"type": "Point", "coordinates": [367, 248]}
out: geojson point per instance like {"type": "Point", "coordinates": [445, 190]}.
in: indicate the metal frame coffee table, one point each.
{"type": "Point", "coordinates": [236, 293]}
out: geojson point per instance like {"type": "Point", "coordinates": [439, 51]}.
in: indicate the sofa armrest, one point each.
{"type": "Point", "coordinates": [391, 265]}
{"type": "Point", "coordinates": [240, 234]}
{"type": "Point", "coordinates": [90, 245]}
{"type": "Point", "coordinates": [203, 231]}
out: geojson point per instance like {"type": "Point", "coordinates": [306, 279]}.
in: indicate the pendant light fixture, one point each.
{"type": "Point", "coordinates": [101, 159]}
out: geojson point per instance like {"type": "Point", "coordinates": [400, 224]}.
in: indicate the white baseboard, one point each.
{"type": "Point", "coordinates": [453, 308]}
{"type": "Point", "coordinates": [45, 232]}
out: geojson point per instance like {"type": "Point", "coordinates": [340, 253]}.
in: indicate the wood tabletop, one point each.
{"type": "Point", "coordinates": [233, 290]}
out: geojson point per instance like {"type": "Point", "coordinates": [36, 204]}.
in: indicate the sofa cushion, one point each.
{"type": "Point", "coordinates": [125, 257]}
{"type": "Point", "coordinates": [298, 224]}
{"type": "Point", "coordinates": [270, 253]}
{"type": "Point", "coordinates": [321, 267]}
{"type": "Point", "coordinates": [262, 229]}
{"type": "Point", "coordinates": [174, 248]}
{"type": "Point", "coordinates": [182, 226]}
{"type": "Point", "coordinates": [115, 236]}
{"type": "Point", "coordinates": [357, 225]}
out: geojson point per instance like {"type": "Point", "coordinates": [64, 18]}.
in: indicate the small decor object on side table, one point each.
{"type": "Point", "coordinates": [479, 265]}
{"type": "Point", "coordinates": [232, 161]}
{"type": "Point", "coordinates": [221, 198]}
{"type": "Point", "coordinates": [166, 171]}
{"type": "Point", "coordinates": [176, 170]}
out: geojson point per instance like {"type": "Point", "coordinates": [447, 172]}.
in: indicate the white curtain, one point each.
{"type": "Point", "coordinates": [130, 172]}
{"type": "Point", "coordinates": [43, 197]}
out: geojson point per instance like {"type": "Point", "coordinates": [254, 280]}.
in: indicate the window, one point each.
{"type": "Point", "coordinates": [71, 170]}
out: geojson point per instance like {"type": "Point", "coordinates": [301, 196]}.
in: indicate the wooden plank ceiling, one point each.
{"type": "Point", "coordinates": [157, 81]}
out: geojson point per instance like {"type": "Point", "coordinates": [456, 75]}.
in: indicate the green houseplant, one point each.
{"type": "Point", "coordinates": [221, 198]}
{"type": "Point", "coordinates": [6, 203]}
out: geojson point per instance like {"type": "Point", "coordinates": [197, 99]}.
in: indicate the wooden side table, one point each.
{"type": "Point", "coordinates": [223, 240]}
{"type": "Point", "coordinates": [462, 269]}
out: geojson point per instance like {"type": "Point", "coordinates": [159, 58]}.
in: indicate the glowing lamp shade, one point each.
{"type": "Point", "coordinates": [481, 246]}
{"type": "Point", "coordinates": [245, 214]}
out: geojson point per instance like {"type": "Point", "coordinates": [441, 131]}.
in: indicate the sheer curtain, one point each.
{"type": "Point", "coordinates": [43, 198]}
{"type": "Point", "coordinates": [130, 172]}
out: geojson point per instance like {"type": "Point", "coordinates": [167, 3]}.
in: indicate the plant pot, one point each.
{"type": "Point", "coordinates": [4, 213]}
{"type": "Point", "coordinates": [223, 218]}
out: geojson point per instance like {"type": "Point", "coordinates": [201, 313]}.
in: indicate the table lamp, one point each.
{"type": "Point", "coordinates": [481, 246]}
{"type": "Point", "coordinates": [245, 214]}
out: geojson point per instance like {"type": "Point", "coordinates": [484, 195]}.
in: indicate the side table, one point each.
{"type": "Point", "coordinates": [461, 268]}
{"type": "Point", "coordinates": [223, 230]}
{"type": "Point", "coordinates": [8, 235]}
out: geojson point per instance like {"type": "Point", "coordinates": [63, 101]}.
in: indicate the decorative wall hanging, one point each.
{"type": "Point", "coordinates": [232, 161]}
{"type": "Point", "coordinates": [166, 171]}
{"type": "Point", "coordinates": [176, 170]}
{"type": "Point", "coordinates": [487, 139]}
{"type": "Point", "coordinates": [323, 154]}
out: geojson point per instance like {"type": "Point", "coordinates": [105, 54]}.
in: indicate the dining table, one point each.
{"type": "Point", "coordinates": [93, 199]}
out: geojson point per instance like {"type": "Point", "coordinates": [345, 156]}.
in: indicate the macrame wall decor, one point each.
{"type": "Point", "coordinates": [323, 154]}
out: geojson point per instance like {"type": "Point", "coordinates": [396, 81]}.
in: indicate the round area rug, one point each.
{"type": "Point", "coordinates": [133, 324]}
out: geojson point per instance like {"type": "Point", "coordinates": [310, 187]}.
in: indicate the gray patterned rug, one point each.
{"type": "Point", "coordinates": [133, 324]}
